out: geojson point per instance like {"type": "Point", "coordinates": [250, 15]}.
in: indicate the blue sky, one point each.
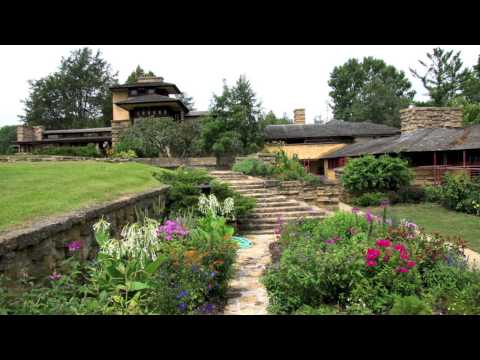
{"type": "Point", "coordinates": [284, 77]}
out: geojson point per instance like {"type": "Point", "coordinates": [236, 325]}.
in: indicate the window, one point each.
{"type": "Point", "coordinates": [133, 92]}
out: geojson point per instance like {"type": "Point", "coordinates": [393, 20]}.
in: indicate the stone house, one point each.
{"type": "Point", "coordinates": [311, 142]}
{"type": "Point", "coordinates": [148, 97]}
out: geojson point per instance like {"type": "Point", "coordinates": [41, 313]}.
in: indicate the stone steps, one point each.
{"type": "Point", "coordinates": [281, 209]}
{"type": "Point", "coordinates": [284, 217]}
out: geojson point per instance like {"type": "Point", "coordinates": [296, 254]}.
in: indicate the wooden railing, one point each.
{"type": "Point", "coordinates": [436, 172]}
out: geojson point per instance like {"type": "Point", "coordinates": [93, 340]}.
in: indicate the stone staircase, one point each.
{"type": "Point", "coordinates": [271, 205]}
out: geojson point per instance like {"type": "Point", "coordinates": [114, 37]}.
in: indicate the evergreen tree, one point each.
{"type": "Point", "coordinates": [186, 100]}
{"type": "Point", "coordinates": [443, 76]}
{"type": "Point", "coordinates": [76, 96]}
{"type": "Point", "coordinates": [232, 127]}
{"type": "Point", "coordinates": [8, 135]}
{"type": "Point", "coordinates": [137, 73]}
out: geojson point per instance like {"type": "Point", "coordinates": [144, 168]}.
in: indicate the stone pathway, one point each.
{"type": "Point", "coordinates": [247, 295]}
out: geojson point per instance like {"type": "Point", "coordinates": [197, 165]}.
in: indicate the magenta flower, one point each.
{"type": "Point", "coordinates": [410, 263]}
{"type": "Point", "coordinates": [386, 258]}
{"type": "Point", "coordinates": [383, 243]}
{"type": "Point", "coordinates": [55, 276]}
{"type": "Point", "coordinates": [404, 255]}
{"type": "Point", "coordinates": [372, 254]}
{"type": "Point", "coordinates": [384, 203]}
{"type": "Point", "coordinates": [355, 210]}
{"type": "Point", "coordinates": [74, 246]}
{"type": "Point", "coordinates": [371, 263]}
{"type": "Point", "coordinates": [400, 247]}
{"type": "Point", "coordinates": [402, 270]}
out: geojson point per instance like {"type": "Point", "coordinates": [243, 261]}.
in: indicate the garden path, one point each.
{"type": "Point", "coordinates": [247, 295]}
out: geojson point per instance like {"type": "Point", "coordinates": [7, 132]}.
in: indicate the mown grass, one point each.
{"type": "Point", "coordinates": [29, 191]}
{"type": "Point", "coordinates": [433, 217]}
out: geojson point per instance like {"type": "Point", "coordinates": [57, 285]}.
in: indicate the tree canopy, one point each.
{"type": "Point", "coordinates": [75, 96]}
{"type": "Point", "coordinates": [8, 135]}
{"type": "Point", "coordinates": [369, 90]}
{"type": "Point", "coordinates": [271, 119]}
{"type": "Point", "coordinates": [137, 73]}
{"type": "Point", "coordinates": [443, 76]}
{"type": "Point", "coordinates": [232, 127]}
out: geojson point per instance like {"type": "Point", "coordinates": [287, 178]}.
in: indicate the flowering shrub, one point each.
{"type": "Point", "coordinates": [361, 264]}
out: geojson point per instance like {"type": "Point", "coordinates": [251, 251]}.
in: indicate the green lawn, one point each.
{"type": "Point", "coordinates": [433, 217]}
{"type": "Point", "coordinates": [32, 190]}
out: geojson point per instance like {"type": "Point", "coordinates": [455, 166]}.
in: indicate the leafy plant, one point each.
{"type": "Point", "coordinates": [410, 305]}
{"type": "Point", "coordinates": [370, 174]}
{"type": "Point", "coordinates": [369, 199]}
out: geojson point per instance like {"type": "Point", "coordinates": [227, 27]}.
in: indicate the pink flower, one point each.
{"type": "Point", "coordinates": [371, 263]}
{"type": "Point", "coordinates": [74, 246]}
{"type": "Point", "coordinates": [411, 263]}
{"type": "Point", "coordinates": [55, 276]}
{"type": "Point", "coordinates": [372, 254]}
{"type": "Point", "coordinates": [399, 247]}
{"type": "Point", "coordinates": [368, 216]}
{"type": "Point", "coordinates": [355, 210]}
{"type": "Point", "coordinates": [402, 270]}
{"type": "Point", "coordinates": [404, 255]}
{"type": "Point", "coordinates": [383, 243]}
{"type": "Point", "coordinates": [384, 203]}
{"type": "Point", "coordinates": [386, 258]}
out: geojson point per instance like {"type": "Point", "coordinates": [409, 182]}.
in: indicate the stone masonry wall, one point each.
{"type": "Point", "coordinates": [430, 117]}
{"type": "Point", "coordinates": [118, 127]}
{"type": "Point", "coordinates": [35, 250]}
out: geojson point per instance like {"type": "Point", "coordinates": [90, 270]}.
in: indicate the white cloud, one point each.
{"type": "Point", "coordinates": [284, 77]}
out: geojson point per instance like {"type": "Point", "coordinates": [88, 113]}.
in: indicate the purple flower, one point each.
{"type": "Point", "coordinates": [384, 203]}
{"type": "Point", "coordinates": [182, 306]}
{"type": "Point", "coordinates": [206, 308]}
{"type": "Point", "coordinates": [171, 228]}
{"type": "Point", "coordinates": [333, 240]}
{"type": "Point", "coordinates": [55, 276]}
{"type": "Point", "coordinates": [182, 294]}
{"type": "Point", "coordinates": [212, 274]}
{"type": "Point", "coordinates": [74, 246]}
{"type": "Point", "coordinates": [368, 216]}
{"type": "Point", "coordinates": [355, 210]}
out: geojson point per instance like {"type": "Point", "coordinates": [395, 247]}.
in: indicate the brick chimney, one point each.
{"type": "Point", "coordinates": [299, 116]}
{"type": "Point", "coordinates": [415, 118]}
{"type": "Point", "coordinates": [149, 79]}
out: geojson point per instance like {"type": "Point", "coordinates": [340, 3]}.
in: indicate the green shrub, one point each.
{"type": "Point", "coordinates": [410, 305]}
{"type": "Point", "coordinates": [130, 154]}
{"type": "Point", "coordinates": [321, 310]}
{"type": "Point", "coordinates": [370, 174]}
{"type": "Point", "coordinates": [186, 185]}
{"type": "Point", "coordinates": [433, 193]}
{"type": "Point", "coordinates": [254, 167]}
{"type": "Point", "coordinates": [8, 135]}
{"type": "Point", "coordinates": [460, 193]}
{"type": "Point", "coordinates": [369, 199]}
{"type": "Point", "coordinates": [89, 150]}
{"type": "Point", "coordinates": [411, 194]}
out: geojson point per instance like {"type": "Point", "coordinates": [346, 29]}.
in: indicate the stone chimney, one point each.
{"type": "Point", "coordinates": [150, 79]}
{"type": "Point", "coordinates": [24, 133]}
{"type": "Point", "coordinates": [299, 116]}
{"type": "Point", "coordinates": [415, 118]}
{"type": "Point", "coordinates": [38, 133]}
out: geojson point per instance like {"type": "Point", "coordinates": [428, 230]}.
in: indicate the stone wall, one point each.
{"type": "Point", "coordinates": [118, 127]}
{"type": "Point", "coordinates": [430, 117]}
{"type": "Point", "coordinates": [325, 195]}
{"type": "Point", "coordinates": [35, 250]}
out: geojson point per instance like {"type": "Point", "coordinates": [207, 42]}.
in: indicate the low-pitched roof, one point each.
{"type": "Point", "coordinates": [438, 139]}
{"type": "Point", "coordinates": [75, 131]}
{"type": "Point", "coordinates": [149, 99]}
{"type": "Point", "coordinates": [334, 128]}
{"type": "Point", "coordinates": [160, 84]}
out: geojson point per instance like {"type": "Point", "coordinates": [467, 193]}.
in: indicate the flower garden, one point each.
{"type": "Point", "coordinates": [180, 266]}
{"type": "Point", "coordinates": [365, 264]}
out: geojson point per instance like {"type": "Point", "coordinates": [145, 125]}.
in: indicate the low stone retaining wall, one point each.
{"type": "Point", "coordinates": [36, 250]}
{"type": "Point", "coordinates": [201, 162]}
{"type": "Point", "coordinates": [325, 195]}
